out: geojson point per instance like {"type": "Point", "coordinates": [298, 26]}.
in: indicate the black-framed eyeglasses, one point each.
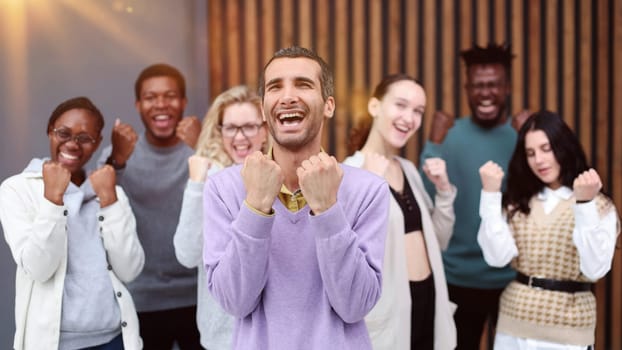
{"type": "Point", "coordinates": [230, 130]}
{"type": "Point", "coordinates": [65, 135]}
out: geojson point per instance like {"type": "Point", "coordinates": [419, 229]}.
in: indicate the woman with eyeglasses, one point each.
{"type": "Point", "coordinates": [232, 129]}
{"type": "Point", "coordinates": [73, 238]}
{"type": "Point", "coordinates": [414, 311]}
{"type": "Point", "coordinates": [556, 229]}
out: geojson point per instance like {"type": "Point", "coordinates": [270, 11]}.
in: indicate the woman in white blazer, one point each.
{"type": "Point", "coordinates": [414, 311]}
{"type": "Point", "coordinates": [73, 238]}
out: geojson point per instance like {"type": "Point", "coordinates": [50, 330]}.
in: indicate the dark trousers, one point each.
{"type": "Point", "coordinates": [161, 329]}
{"type": "Point", "coordinates": [475, 307]}
{"type": "Point", "coordinates": [114, 344]}
{"type": "Point", "coordinates": [422, 318]}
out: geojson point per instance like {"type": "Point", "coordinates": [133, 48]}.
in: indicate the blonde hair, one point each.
{"type": "Point", "coordinates": [210, 143]}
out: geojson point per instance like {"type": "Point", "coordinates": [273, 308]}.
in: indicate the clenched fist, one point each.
{"type": "Point", "coordinates": [587, 185]}
{"type": "Point", "coordinates": [123, 141]}
{"type": "Point", "coordinates": [436, 171]}
{"type": "Point", "coordinates": [198, 167]}
{"type": "Point", "coordinates": [263, 179]}
{"type": "Point", "coordinates": [441, 123]}
{"type": "Point", "coordinates": [188, 130]}
{"type": "Point", "coordinates": [519, 119]}
{"type": "Point", "coordinates": [56, 179]}
{"type": "Point", "coordinates": [319, 178]}
{"type": "Point", "coordinates": [492, 176]}
{"type": "Point", "coordinates": [103, 181]}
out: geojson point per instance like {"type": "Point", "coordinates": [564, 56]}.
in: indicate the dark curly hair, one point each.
{"type": "Point", "coordinates": [491, 54]}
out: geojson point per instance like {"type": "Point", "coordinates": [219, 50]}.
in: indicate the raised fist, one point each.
{"type": "Point", "coordinates": [436, 171]}
{"type": "Point", "coordinates": [319, 178]}
{"type": "Point", "coordinates": [587, 185]}
{"type": "Point", "coordinates": [263, 179]}
{"type": "Point", "coordinates": [123, 141]}
{"type": "Point", "coordinates": [103, 181]}
{"type": "Point", "coordinates": [492, 176]}
{"type": "Point", "coordinates": [441, 123]}
{"type": "Point", "coordinates": [188, 130]}
{"type": "Point", "coordinates": [198, 167]}
{"type": "Point", "coordinates": [519, 119]}
{"type": "Point", "coordinates": [56, 179]}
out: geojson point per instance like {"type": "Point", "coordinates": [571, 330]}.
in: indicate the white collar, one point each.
{"type": "Point", "coordinates": [562, 193]}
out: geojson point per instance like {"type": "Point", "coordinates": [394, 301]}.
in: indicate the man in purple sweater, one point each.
{"type": "Point", "coordinates": [294, 241]}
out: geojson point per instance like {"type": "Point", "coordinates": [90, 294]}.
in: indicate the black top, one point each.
{"type": "Point", "coordinates": [409, 206]}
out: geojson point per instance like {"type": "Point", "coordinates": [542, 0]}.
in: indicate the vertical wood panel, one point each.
{"type": "Point", "coordinates": [233, 48]}
{"type": "Point", "coordinates": [305, 9]}
{"type": "Point", "coordinates": [340, 120]}
{"type": "Point", "coordinates": [215, 43]}
{"type": "Point", "coordinates": [394, 34]}
{"type": "Point", "coordinates": [375, 42]}
{"type": "Point", "coordinates": [551, 54]}
{"type": "Point", "coordinates": [568, 89]}
{"type": "Point", "coordinates": [534, 55]}
{"type": "Point", "coordinates": [323, 45]}
{"type": "Point", "coordinates": [483, 25]}
{"type": "Point", "coordinates": [250, 43]}
{"type": "Point", "coordinates": [518, 32]}
{"type": "Point", "coordinates": [429, 61]}
{"type": "Point", "coordinates": [359, 94]}
{"type": "Point", "coordinates": [267, 30]}
{"type": "Point", "coordinates": [466, 41]}
{"type": "Point", "coordinates": [411, 55]}
{"type": "Point", "coordinates": [500, 21]}
{"type": "Point", "coordinates": [586, 76]}
{"type": "Point", "coordinates": [286, 24]}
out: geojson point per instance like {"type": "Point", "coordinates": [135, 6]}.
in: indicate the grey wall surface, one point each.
{"type": "Point", "coordinates": [53, 50]}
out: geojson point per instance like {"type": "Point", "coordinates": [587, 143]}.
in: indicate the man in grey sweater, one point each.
{"type": "Point", "coordinates": [153, 172]}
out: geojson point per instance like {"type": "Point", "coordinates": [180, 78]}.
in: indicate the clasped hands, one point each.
{"type": "Point", "coordinates": [319, 178]}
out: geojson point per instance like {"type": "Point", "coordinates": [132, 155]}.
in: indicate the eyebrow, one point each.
{"type": "Point", "coordinates": [296, 79]}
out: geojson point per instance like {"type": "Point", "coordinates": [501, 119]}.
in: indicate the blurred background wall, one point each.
{"type": "Point", "coordinates": [52, 50]}
{"type": "Point", "coordinates": [566, 54]}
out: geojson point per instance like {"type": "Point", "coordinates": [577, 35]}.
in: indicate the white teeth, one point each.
{"type": "Point", "coordinates": [402, 128]}
{"type": "Point", "coordinates": [161, 117]}
{"type": "Point", "coordinates": [68, 156]}
{"type": "Point", "coordinates": [289, 115]}
{"type": "Point", "coordinates": [486, 103]}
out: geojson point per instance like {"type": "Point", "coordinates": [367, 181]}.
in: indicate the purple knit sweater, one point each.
{"type": "Point", "coordinates": [293, 280]}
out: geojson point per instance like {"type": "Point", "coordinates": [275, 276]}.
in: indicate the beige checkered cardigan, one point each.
{"type": "Point", "coordinates": [546, 249]}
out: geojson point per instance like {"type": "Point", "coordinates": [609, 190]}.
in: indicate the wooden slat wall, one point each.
{"type": "Point", "coordinates": [565, 61]}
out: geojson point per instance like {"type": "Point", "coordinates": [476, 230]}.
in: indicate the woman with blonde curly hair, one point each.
{"type": "Point", "coordinates": [232, 129]}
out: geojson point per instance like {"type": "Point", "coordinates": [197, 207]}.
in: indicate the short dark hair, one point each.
{"type": "Point", "coordinates": [326, 75]}
{"type": "Point", "coordinates": [160, 70]}
{"type": "Point", "coordinates": [491, 54]}
{"type": "Point", "coordinates": [76, 103]}
{"type": "Point", "coordinates": [522, 183]}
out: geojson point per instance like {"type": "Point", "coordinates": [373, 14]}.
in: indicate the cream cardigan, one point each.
{"type": "Point", "coordinates": [389, 321]}
{"type": "Point", "coordinates": [35, 230]}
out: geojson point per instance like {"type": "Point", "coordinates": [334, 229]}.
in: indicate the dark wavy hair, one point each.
{"type": "Point", "coordinates": [326, 75]}
{"type": "Point", "coordinates": [522, 183]}
{"type": "Point", "coordinates": [76, 103]}
{"type": "Point", "coordinates": [160, 70]}
{"type": "Point", "coordinates": [359, 133]}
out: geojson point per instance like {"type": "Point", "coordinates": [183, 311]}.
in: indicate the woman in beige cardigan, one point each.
{"type": "Point", "coordinates": [414, 311]}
